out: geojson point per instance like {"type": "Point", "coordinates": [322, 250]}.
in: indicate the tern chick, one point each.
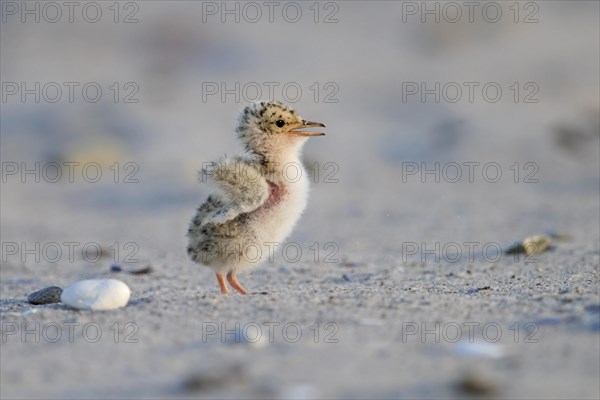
{"type": "Point", "coordinates": [258, 204]}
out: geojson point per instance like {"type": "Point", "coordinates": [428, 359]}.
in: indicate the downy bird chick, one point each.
{"type": "Point", "coordinates": [258, 205]}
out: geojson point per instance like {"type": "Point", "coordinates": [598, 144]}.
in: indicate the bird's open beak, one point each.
{"type": "Point", "coordinates": [306, 124]}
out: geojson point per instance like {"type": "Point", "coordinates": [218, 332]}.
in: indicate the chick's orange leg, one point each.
{"type": "Point", "coordinates": [222, 284]}
{"type": "Point", "coordinates": [235, 284]}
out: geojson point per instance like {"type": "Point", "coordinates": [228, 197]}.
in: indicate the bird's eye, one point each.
{"type": "Point", "coordinates": [280, 123]}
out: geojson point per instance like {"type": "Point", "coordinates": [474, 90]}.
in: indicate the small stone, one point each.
{"type": "Point", "coordinates": [140, 271]}
{"type": "Point", "coordinates": [357, 277]}
{"type": "Point", "coordinates": [47, 295]}
{"type": "Point", "coordinates": [536, 244]}
{"type": "Point", "coordinates": [96, 294]}
{"type": "Point", "coordinates": [477, 290]}
{"type": "Point", "coordinates": [516, 248]}
{"type": "Point", "coordinates": [146, 270]}
{"type": "Point", "coordinates": [476, 384]}
{"type": "Point", "coordinates": [209, 379]}
{"type": "Point", "coordinates": [116, 268]}
{"type": "Point", "coordinates": [574, 138]}
{"type": "Point", "coordinates": [479, 349]}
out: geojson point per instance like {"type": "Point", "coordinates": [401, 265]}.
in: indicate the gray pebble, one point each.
{"type": "Point", "coordinates": [214, 378]}
{"type": "Point", "coordinates": [116, 268]}
{"type": "Point", "coordinates": [146, 270]}
{"type": "Point", "coordinates": [47, 295]}
{"type": "Point", "coordinates": [478, 385]}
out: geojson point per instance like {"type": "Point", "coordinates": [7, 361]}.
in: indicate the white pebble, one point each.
{"type": "Point", "coordinates": [536, 244]}
{"type": "Point", "coordinates": [480, 349]}
{"type": "Point", "coordinates": [96, 294]}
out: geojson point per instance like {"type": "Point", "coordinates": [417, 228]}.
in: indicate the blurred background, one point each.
{"type": "Point", "coordinates": [180, 75]}
{"type": "Point", "coordinates": [143, 93]}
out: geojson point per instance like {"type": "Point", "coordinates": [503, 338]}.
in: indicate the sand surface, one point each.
{"type": "Point", "coordinates": [391, 286]}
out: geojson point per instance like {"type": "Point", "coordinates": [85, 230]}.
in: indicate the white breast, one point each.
{"type": "Point", "coordinates": [275, 220]}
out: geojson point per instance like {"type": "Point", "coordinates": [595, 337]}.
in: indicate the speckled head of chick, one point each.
{"type": "Point", "coordinates": [257, 204]}
{"type": "Point", "coordinates": [267, 127]}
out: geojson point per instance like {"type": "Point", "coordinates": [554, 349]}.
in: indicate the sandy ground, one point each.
{"type": "Point", "coordinates": [390, 287]}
